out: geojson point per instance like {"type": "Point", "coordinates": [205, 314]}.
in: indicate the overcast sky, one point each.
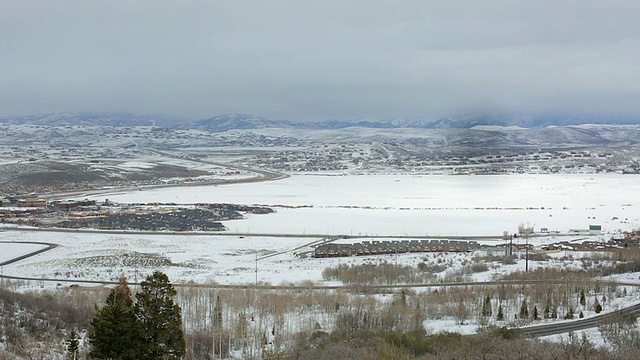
{"type": "Point", "coordinates": [318, 60]}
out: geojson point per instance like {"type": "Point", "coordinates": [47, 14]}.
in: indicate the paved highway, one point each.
{"type": "Point", "coordinates": [47, 247]}
{"type": "Point", "coordinates": [582, 324]}
{"type": "Point", "coordinates": [228, 233]}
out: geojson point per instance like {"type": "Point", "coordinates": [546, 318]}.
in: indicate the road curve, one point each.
{"type": "Point", "coordinates": [582, 324]}
{"type": "Point", "coordinates": [48, 247]}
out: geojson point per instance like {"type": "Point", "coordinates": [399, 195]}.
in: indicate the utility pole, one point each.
{"type": "Point", "coordinates": [256, 268]}
{"type": "Point", "coordinates": [526, 253]}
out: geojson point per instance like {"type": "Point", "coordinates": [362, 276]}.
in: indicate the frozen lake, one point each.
{"type": "Point", "coordinates": [420, 205]}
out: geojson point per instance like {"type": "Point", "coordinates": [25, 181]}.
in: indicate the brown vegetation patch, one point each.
{"type": "Point", "coordinates": [128, 259]}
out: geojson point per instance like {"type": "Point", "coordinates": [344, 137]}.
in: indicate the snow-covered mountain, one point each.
{"type": "Point", "coordinates": [89, 119]}
{"type": "Point", "coordinates": [529, 120]}
{"type": "Point", "coordinates": [232, 121]}
{"type": "Point", "coordinates": [235, 121]}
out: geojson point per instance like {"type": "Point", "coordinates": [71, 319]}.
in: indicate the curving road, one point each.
{"type": "Point", "coordinates": [48, 246]}
{"type": "Point", "coordinates": [582, 324]}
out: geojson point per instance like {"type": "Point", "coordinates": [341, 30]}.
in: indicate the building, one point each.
{"type": "Point", "coordinates": [32, 202]}
{"type": "Point", "coordinates": [71, 204]}
{"type": "Point", "coordinates": [595, 229]}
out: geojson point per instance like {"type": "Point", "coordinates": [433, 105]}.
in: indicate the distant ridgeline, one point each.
{"type": "Point", "coordinates": [247, 121]}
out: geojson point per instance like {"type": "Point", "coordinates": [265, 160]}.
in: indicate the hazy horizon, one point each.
{"type": "Point", "coordinates": [300, 61]}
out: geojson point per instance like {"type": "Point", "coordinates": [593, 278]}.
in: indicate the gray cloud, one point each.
{"type": "Point", "coordinates": [304, 60]}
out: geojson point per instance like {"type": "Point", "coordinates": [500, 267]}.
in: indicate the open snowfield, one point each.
{"type": "Point", "coordinates": [202, 259]}
{"type": "Point", "coordinates": [12, 251]}
{"type": "Point", "coordinates": [421, 205]}
{"type": "Point", "coordinates": [393, 205]}
{"type": "Point", "coordinates": [226, 259]}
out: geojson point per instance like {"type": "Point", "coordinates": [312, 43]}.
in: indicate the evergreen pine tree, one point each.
{"type": "Point", "coordinates": [535, 313]}
{"type": "Point", "coordinates": [598, 307]}
{"type": "Point", "coordinates": [583, 300]}
{"type": "Point", "coordinates": [116, 333]}
{"type": "Point", "coordinates": [569, 314]}
{"type": "Point", "coordinates": [500, 315]}
{"type": "Point", "coordinates": [486, 307]}
{"type": "Point", "coordinates": [73, 344]}
{"type": "Point", "coordinates": [524, 310]}
{"type": "Point", "coordinates": [160, 319]}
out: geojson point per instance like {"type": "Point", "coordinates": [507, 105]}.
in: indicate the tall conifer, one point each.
{"type": "Point", "coordinates": [160, 319]}
{"type": "Point", "coordinates": [116, 333]}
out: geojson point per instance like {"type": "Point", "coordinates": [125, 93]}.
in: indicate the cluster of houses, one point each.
{"type": "Point", "coordinates": [393, 247]}
{"type": "Point", "coordinates": [77, 214]}
{"type": "Point", "coordinates": [28, 202]}
{"type": "Point", "coordinates": [166, 220]}
{"type": "Point", "coordinates": [629, 239]}
{"type": "Point", "coordinates": [14, 207]}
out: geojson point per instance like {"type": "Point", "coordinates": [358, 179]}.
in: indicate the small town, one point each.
{"type": "Point", "coordinates": [89, 214]}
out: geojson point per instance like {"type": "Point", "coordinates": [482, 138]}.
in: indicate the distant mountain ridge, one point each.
{"type": "Point", "coordinates": [235, 121]}
{"type": "Point", "coordinates": [232, 121]}
{"type": "Point", "coordinates": [89, 119]}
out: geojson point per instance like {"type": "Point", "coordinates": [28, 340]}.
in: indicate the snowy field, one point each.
{"type": "Point", "coordinates": [226, 259]}
{"type": "Point", "coordinates": [202, 259]}
{"type": "Point", "coordinates": [393, 205]}
{"type": "Point", "coordinates": [232, 260]}
{"type": "Point", "coordinates": [390, 205]}
{"type": "Point", "coordinates": [10, 251]}
{"type": "Point", "coordinates": [421, 205]}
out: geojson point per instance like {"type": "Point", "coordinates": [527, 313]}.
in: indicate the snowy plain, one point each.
{"type": "Point", "coordinates": [388, 205]}
{"type": "Point", "coordinates": [11, 251]}
{"type": "Point", "coordinates": [384, 205]}
{"type": "Point", "coordinates": [420, 205]}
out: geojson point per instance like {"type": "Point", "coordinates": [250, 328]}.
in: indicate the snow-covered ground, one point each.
{"type": "Point", "coordinates": [421, 205]}
{"type": "Point", "coordinates": [11, 251]}
{"type": "Point", "coordinates": [393, 205]}
{"type": "Point", "coordinates": [202, 259]}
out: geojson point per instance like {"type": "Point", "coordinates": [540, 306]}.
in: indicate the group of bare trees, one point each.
{"type": "Point", "coordinates": [249, 322]}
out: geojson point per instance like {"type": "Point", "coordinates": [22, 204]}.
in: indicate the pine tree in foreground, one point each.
{"type": "Point", "coordinates": [73, 344]}
{"type": "Point", "coordinates": [160, 319]}
{"type": "Point", "coordinates": [116, 334]}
